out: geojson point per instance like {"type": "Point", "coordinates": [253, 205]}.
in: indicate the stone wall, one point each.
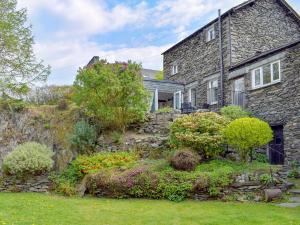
{"type": "Point", "coordinates": [198, 60]}
{"type": "Point", "coordinates": [260, 27]}
{"type": "Point", "coordinates": [279, 104]}
{"type": "Point", "coordinates": [292, 140]}
{"type": "Point", "coordinates": [35, 184]}
{"type": "Point", "coordinates": [43, 124]}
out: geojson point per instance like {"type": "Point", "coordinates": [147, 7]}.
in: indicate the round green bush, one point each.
{"type": "Point", "coordinates": [234, 112]}
{"type": "Point", "coordinates": [201, 132]}
{"type": "Point", "coordinates": [246, 134]}
{"type": "Point", "coordinates": [30, 158]}
{"type": "Point", "coordinates": [185, 160]}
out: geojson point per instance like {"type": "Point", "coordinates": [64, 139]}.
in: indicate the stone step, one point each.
{"type": "Point", "coordinates": [295, 191]}
{"type": "Point", "coordinates": [289, 205]}
{"type": "Point", "coordinates": [295, 199]}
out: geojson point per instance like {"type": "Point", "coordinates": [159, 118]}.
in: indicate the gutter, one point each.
{"type": "Point", "coordinates": [221, 58]}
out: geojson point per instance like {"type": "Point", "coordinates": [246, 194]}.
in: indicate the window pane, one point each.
{"type": "Point", "coordinates": [257, 77]}
{"type": "Point", "coordinates": [275, 71]}
{"type": "Point", "coordinates": [215, 94]}
{"type": "Point", "coordinates": [193, 96]}
{"type": "Point", "coordinates": [215, 83]}
{"type": "Point", "coordinates": [267, 74]}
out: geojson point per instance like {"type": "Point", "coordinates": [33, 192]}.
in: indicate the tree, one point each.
{"type": "Point", "coordinates": [112, 93]}
{"type": "Point", "coordinates": [19, 68]}
{"type": "Point", "coordinates": [159, 75]}
{"type": "Point", "coordinates": [246, 134]}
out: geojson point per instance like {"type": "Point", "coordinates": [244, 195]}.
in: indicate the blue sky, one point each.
{"type": "Point", "coordinates": [68, 33]}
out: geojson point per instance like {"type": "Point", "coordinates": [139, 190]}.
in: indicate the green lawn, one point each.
{"type": "Point", "coordinates": [42, 209]}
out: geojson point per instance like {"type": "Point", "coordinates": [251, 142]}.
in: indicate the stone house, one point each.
{"type": "Point", "coordinates": [249, 56]}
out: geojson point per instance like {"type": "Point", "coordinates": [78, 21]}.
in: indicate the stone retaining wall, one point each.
{"type": "Point", "coordinates": [35, 184]}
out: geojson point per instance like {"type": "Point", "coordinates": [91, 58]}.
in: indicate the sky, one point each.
{"type": "Point", "coordinates": [68, 33]}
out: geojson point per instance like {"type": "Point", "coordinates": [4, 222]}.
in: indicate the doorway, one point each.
{"type": "Point", "coordinates": [276, 146]}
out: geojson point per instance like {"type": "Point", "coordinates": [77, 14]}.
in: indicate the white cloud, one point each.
{"type": "Point", "coordinates": [71, 55]}
{"type": "Point", "coordinates": [70, 47]}
{"type": "Point", "coordinates": [89, 17]}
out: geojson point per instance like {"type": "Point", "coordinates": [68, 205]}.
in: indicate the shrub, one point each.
{"type": "Point", "coordinates": [120, 97]}
{"type": "Point", "coordinates": [83, 137]}
{"type": "Point", "coordinates": [234, 112]}
{"type": "Point", "coordinates": [266, 179]}
{"type": "Point", "coordinates": [167, 109]}
{"type": "Point", "coordinates": [185, 160]}
{"type": "Point", "coordinates": [245, 134]}
{"type": "Point", "coordinates": [117, 137]}
{"type": "Point", "coordinates": [84, 165]}
{"type": "Point", "coordinates": [62, 104]}
{"type": "Point", "coordinates": [294, 172]}
{"type": "Point", "coordinates": [11, 104]}
{"type": "Point", "coordinates": [28, 159]}
{"type": "Point", "coordinates": [199, 131]}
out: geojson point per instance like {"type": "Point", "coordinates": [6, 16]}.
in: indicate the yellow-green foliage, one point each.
{"type": "Point", "coordinates": [28, 159]}
{"type": "Point", "coordinates": [159, 75]}
{"type": "Point", "coordinates": [91, 164]}
{"type": "Point", "coordinates": [200, 131]}
{"type": "Point", "coordinates": [246, 134]}
{"type": "Point", "coordinates": [234, 112]}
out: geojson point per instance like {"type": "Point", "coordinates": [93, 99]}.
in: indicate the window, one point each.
{"type": "Point", "coordinates": [192, 96]}
{"type": "Point", "coordinates": [177, 100]}
{"type": "Point", "coordinates": [174, 68]}
{"type": "Point", "coordinates": [211, 34]}
{"type": "Point", "coordinates": [266, 75]}
{"type": "Point", "coordinates": [212, 92]}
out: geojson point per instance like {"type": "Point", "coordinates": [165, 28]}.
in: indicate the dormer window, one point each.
{"type": "Point", "coordinates": [211, 34]}
{"type": "Point", "coordinates": [174, 69]}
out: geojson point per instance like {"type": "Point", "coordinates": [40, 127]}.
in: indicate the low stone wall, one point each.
{"type": "Point", "coordinates": [38, 184]}
{"type": "Point", "coordinates": [246, 187]}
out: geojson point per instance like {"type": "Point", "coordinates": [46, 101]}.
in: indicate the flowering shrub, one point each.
{"type": "Point", "coordinates": [28, 159]}
{"type": "Point", "coordinates": [199, 131]}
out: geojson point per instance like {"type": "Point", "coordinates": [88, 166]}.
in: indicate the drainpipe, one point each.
{"type": "Point", "coordinates": [221, 59]}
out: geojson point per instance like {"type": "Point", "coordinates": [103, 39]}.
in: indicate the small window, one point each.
{"type": "Point", "coordinates": [212, 92]}
{"type": "Point", "coordinates": [211, 34]}
{"type": "Point", "coordinates": [174, 69]}
{"type": "Point", "coordinates": [266, 75]}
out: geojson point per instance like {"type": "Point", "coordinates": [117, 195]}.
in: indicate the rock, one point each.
{"type": "Point", "coordinates": [289, 205]}
{"type": "Point", "coordinates": [272, 194]}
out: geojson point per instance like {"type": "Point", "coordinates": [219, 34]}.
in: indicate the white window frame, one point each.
{"type": "Point", "coordinates": [209, 88]}
{"type": "Point", "coordinates": [210, 34]}
{"type": "Point", "coordinates": [261, 84]}
{"type": "Point", "coordinates": [174, 68]}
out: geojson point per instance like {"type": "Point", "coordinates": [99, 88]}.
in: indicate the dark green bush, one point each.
{"type": "Point", "coordinates": [83, 138]}
{"type": "Point", "coordinates": [185, 160]}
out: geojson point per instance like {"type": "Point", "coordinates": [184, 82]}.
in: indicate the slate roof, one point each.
{"type": "Point", "coordinates": [234, 9]}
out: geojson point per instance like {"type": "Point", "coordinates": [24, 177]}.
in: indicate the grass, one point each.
{"type": "Point", "coordinates": [39, 209]}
